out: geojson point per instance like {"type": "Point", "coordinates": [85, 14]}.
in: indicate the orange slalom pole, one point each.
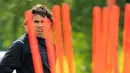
{"type": "Point", "coordinates": [97, 61]}
{"type": "Point", "coordinates": [67, 36]}
{"type": "Point", "coordinates": [111, 2]}
{"type": "Point", "coordinates": [104, 37]}
{"type": "Point", "coordinates": [58, 36]}
{"type": "Point", "coordinates": [49, 44]}
{"type": "Point", "coordinates": [126, 40]}
{"type": "Point", "coordinates": [114, 15]}
{"type": "Point", "coordinates": [33, 43]}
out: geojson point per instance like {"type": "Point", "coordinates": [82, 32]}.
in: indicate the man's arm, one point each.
{"type": "Point", "coordinates": [12, 59]}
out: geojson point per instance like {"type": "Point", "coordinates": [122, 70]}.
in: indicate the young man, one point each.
{"type": "Point", "coordinates": [19, 55]}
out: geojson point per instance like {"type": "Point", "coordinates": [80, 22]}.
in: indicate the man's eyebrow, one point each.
{"type": "Point", "coordinates": [36, 20]}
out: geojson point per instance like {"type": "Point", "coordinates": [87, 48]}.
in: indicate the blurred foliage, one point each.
{"type": "Point", "coordinates": [12, 17]}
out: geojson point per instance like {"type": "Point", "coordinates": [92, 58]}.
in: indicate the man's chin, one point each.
{"type": "Point", "coordinates": [40, 35]}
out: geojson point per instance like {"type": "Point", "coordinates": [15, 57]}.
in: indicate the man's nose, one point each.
{"type": "Point", "coordinates": [40, 25]}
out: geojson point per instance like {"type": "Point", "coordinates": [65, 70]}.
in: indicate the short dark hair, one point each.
{"type": "Point", "coordinates": [42, 10]}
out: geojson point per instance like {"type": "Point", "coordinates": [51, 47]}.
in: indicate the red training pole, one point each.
{"type": "Point", "coordinates": [33, 43]}
{"type": "Point", "coordinates": [126, 40]}
{"type": "Point", "coordinates": [49, 44]}
{"type": "Point", "coordinates": [58, 36]}
{"type": "Point", "coordinates": [111, 2]}
{"type": "Point", "coordinates": [104, 37]}
{"type": "Point", "coordinates": [112, 56]}
{"type": "Point", "coordinates": [97, 64]}
{"type": "Point", "coordinates": [67, 36]}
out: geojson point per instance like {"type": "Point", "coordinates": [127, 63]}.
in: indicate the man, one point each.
{"type": "Point", "coordinates": [19, 55]}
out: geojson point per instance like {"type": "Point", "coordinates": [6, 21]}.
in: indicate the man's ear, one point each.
{"type": "Point", "coordinates": [25, 26]}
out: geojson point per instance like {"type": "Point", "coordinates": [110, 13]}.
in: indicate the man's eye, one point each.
{"type": "Point", "coordinates": [36, 21]}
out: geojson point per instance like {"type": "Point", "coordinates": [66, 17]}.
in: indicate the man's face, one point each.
{"type": "Point", "coordinates": [38, 25]}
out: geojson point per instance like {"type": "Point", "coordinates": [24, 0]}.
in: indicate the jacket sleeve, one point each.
{"type": "Point", "coordinates": [12, 59]}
